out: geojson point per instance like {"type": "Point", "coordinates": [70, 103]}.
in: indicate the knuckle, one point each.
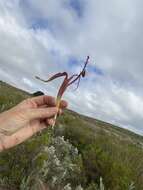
{"type": "Point", "coordinates": [50, 111]}
{"type": "Point", "coordinates": [31, 103]}
{"type": "Point", "coordinates": [16, 140]}
{"type": "Point", "coordinates": [25, 113]}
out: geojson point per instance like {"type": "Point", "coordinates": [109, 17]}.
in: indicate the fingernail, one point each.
{"type": "Point", "coordinates": [55, 109]}
{"type": "Point", "coordinates": [59, 112]}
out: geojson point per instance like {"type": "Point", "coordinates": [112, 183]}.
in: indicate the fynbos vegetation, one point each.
{"type": "Point", "coordinates": [92, 155]}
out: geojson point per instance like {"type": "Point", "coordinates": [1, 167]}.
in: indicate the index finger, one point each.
{"type": "Point", "coordinates": [44, 100]}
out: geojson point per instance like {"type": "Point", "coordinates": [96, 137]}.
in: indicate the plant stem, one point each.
{"type": "Point", "coordinates": [58, 100]}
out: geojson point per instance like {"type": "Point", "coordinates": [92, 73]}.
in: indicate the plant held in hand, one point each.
{"type": "Point", "coordinates": [68, 80]}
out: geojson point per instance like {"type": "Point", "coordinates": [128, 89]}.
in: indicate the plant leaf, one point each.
{"type": "Point", "coordinates": [53, 77]}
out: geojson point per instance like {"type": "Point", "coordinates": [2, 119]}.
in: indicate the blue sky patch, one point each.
{"type": "Point", "coordinates": [77, 6]}
{"type": "Point", "coordinates": [95, 69]}
{"type": "Point", "coordinates": [41, 23]}
{"type": "Point", "coordinates": [73, 63]}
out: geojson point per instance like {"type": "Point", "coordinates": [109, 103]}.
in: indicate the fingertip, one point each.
{"type": "Point", "coordinates": [60, 112]}
{"type": "Point", "coordinates": [63, 104]}
{"type": "Point", "coordinates": [50, 121]}
{"type": "Point", "coordinates": [56, 109]}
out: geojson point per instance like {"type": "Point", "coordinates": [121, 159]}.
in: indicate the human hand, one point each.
{"type": "Point", "coordinates": [26, 119]}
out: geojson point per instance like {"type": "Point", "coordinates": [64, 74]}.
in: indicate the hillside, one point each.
{"type": "Point", "coordinates": [107, 151]}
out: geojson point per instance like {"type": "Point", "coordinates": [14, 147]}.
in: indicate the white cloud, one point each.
{"type": "Point", "coordinates": [38, 37]}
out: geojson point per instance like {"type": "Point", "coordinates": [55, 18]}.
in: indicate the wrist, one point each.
{"type": "Point", "coordinates": [1, 144]}
{"type": "Point", "coordinates": [1, 148]}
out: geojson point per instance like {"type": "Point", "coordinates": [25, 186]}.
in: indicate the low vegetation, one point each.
{"type": "Point", "coordinates": [90, 154]}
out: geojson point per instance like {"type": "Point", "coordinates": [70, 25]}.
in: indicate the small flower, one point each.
{"type": "Point", "coordinates": [68, 187]}
{"type": "Point", "coordinates": [66, 82]}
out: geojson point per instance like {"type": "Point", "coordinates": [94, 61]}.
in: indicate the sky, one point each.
{"type": "Point", "coordinates": [43, 37]}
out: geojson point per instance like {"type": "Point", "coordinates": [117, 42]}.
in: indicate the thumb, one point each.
{"type": "Point", "coordinates": [41, 112]}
